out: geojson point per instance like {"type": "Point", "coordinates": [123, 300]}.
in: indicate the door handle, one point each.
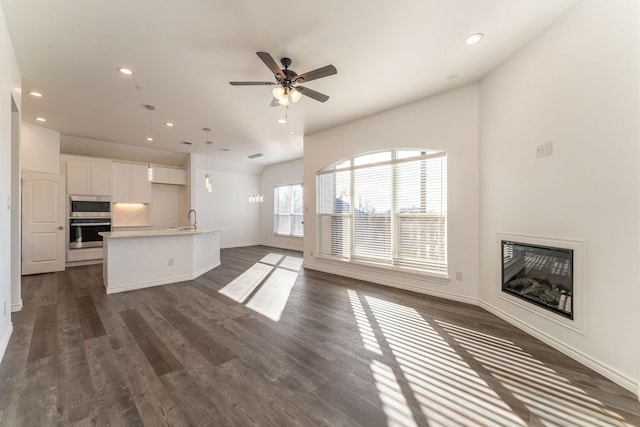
{"type": "Point", "coordinates": [61, 228]}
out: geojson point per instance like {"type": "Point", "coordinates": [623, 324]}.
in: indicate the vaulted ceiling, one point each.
{"type": "Point", "coordinates": [184, 53]}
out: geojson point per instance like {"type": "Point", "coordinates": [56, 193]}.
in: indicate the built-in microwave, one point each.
{"type": "Point", "coordinates": [89, 207]}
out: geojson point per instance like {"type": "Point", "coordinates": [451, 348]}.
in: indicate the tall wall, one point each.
{"type": "Point", "coordinates": [227, 205]}
{"type": "Point", "coordinates": [575, 84]}
{"type": "Point", "coordinates": [39, 149]}
{"type": "Point", "coordinates": [286, 173]}
{"type": "Point", "coordinates": [447, 122]}
{"type": "Point", "coordinates": [9, 89]}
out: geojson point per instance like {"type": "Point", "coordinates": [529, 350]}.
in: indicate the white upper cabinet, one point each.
{"type": "Point", "coordinates": [163, 175]}
{"type": "Point", "coordinates": [130, 183]}
{"type": "Point", "coordinates": [89, 177]}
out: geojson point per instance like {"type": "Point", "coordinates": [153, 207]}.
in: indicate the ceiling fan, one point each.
{"type": "Point", "coordinates": [287, 82]}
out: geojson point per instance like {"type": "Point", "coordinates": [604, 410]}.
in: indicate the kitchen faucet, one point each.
{"type": "Point", "coordinates": [195, 218]}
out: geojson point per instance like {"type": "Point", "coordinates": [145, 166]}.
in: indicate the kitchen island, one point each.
{"type": "Point", "coordinates": [144, 258]}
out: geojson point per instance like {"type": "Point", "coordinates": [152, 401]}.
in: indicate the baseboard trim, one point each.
{"type": "Point", "coordinates": [280, 246]}
{"type": "Point", "coordinates": [601, 368]}
{"type": "Point", "coordinates": [5, 341]}
{"type": "Point", "coordinates": [392, 284]}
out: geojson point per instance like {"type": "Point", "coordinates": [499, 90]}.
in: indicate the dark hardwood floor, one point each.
{"type": "Point", "coordinates": [260, 343]}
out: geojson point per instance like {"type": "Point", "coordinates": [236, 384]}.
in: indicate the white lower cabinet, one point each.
{"type": "Point", "coordinates": [87, 254]}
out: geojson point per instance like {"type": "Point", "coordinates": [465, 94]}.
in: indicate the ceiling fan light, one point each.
{"type": "Point", "coordinates": [284, 100]}
{"type": "Point", "coordinates": [295, 95]}
{"type": "Point", "coordinates": [278, 92]}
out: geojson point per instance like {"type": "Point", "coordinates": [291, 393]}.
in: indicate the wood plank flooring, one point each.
{"type": "Point", "coordinates": [300, 348]}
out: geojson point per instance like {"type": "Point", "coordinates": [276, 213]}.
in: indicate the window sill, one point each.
{"type": "Point", "coordinates": [399, 271]}
{"type": "Point", "coordinates": [287, 235]}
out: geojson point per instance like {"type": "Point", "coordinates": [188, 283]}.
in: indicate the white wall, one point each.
{"type": "Point", "coordinates": [448, 122]}
{"type": "Point", "coordinates": [39, 149]}
{"type": "Point", "coordinates": [168, 206]}
{"type": "Point", "coordinates": [275, 175]}
{"type": "Point", "coordinates": [576, 84]}
{"type": "Point", "coordinates": [227, 205]}
{"type": "Point", "coordinates": [9, 86]}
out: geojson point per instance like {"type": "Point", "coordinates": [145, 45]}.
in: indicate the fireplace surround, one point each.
{"type": "Point", "coordinates": [542, 275]}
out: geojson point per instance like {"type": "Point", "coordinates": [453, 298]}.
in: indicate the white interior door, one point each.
{"type": "Point", "coordinates": [43, 223]}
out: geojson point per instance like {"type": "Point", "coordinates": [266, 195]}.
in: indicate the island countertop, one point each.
{"type": "Point", "coordinates": [178, 231]}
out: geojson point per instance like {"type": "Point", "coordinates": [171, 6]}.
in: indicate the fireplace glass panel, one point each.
{"type": "Point", "coordinates": [540, 275]}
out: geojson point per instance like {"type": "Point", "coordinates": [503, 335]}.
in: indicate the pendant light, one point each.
{"type": "Point", "coordinates": [149, 108]}
{"type": "Point", "coordinates": [208, 184]}
{"type": "Point", "coordinates": [149, 138]}
{"type": "Point", "coordinates": [255, 197]}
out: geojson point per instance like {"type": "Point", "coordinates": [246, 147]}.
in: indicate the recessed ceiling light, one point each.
{"type": "Point", "coordinates": [149, 139]}
{"type": "Point", "coordinates": [126, 71]}
{"type": "Point", "coordinates": [41, 119]}
{"type": "Point", "coordinates": [474, 38]}
{"type": "Point", "coordinates": [225, 149]}
{"type": "Point", "coordinates": [186, 143]}
{"type": "Point", "coordinates": [282, 121]}
{"type": "Point", "coordinates": [36, 94]}
{"type": "Point", "coordinates": [453, 76]}
{"type": "Point", "coordinates": [169, 124]}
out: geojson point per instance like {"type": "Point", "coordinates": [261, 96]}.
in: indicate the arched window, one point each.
{"type": "Point", "coordinates": [387, 208]}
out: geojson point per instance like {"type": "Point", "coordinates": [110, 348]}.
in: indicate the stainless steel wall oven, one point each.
{"type": "Point", "coordinates": [88, 216]}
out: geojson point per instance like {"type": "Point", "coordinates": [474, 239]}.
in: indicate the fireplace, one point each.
{"type": "Point", "coordinates": [541, 275]}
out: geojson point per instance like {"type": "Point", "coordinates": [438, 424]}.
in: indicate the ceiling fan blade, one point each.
{"type": "Point", "coordinates": [274, 103]}
{"type": "Point", "coordinates": [325, 71]}
{"type": "Point", "coordinates": [251, 83]}
{"type": "Point", "coordinates": [273, 66]}
{"type": "Point", "coordinates": [312, 94]}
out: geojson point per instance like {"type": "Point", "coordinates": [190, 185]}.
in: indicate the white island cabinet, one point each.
{"type": "Point", "coordinates": [144, 258]}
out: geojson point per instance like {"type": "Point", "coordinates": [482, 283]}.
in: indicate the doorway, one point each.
{"type": "Point", "coordinates": [16, 273]}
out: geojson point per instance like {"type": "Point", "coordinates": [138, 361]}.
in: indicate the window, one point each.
{"type": "Point", "coordinates": [287, 210]}
{"type": "Point", "coordinates": [388, 208]}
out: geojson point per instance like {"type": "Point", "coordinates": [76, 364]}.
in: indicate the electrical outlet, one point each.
{"type": "Point", "coordinates": [539, 151]}
{"type": "Point", "coordinates": [459, 276]}
{"type": "Point", "coordinates": [170, 262]}
{"type": "Point", "coordinates": [5, 307]}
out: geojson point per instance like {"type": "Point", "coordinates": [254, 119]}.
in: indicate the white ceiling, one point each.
{"type": "Point", "coordinates": [185, 52]}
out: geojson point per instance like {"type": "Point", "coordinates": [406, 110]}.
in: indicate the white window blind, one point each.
{"type": "Point", "coordinates": [287, 210]}
{"type": "Point", "coordinates": [388, 208]}
{"type": "Point", "coordinates": [334, 214]}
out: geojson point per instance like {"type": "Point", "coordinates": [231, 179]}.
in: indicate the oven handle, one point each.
{"type": "Point", "coordinates": [90, 223]}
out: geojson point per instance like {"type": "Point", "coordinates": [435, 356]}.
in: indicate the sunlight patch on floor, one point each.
{"type": "Point", "coordinates": [271, 259]}
{"type": "Point", "coordinates": [291, 263]}
{"type": "Point", "coordinates": [271, 299]}
{"type": "Point", "coordinates": [551, 397]}
{"type": "Point", "coordinates": [449, 391]}
{"type": "Point", "coordinates": [272, 294]}
{"type": "Point", "coordinates": [394, 403]}
{"type": "Point", "coordinates": [364, 327]}
{"type": "Point", "coordinates": [242, 286]}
